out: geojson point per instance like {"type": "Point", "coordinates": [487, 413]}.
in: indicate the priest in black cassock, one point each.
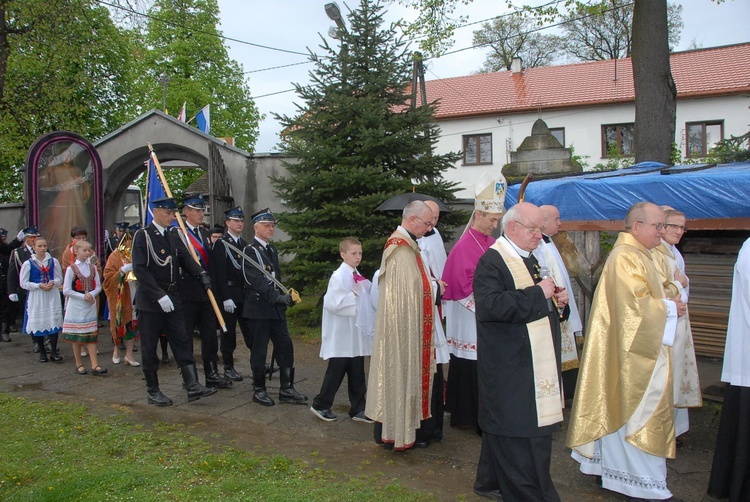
{"type": "Point", "coordinates": [518, 316]}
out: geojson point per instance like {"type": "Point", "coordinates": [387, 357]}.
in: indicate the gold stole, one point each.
{"type": "Point", "coordinates": [549, 400]}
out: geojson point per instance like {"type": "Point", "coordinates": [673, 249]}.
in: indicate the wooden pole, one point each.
{"type": "Point", "coordinates": [190, 247]}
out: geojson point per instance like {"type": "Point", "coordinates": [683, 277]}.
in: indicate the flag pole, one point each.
{"type": "Point", "coordinates": [190, 247]}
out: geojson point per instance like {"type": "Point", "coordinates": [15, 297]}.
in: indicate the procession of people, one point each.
{"type": "Point", "coordinates": [499, 314]}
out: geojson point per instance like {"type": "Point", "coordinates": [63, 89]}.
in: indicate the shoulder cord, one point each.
{"type": "Point", "coordinates": [152, 254]}
{"type": "Point", "coordinates": [231, 257]}
{"type": "Point", "coordinates": [260, 262]}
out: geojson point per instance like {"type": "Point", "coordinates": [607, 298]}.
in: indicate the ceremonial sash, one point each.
{"type": "Point", "coordinates": [549, 400]}
{"type": "Point", "coordinates": [202, 253]}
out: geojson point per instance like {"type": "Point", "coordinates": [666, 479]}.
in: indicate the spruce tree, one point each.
{"type": "Point", "coordinates": [356, 142]}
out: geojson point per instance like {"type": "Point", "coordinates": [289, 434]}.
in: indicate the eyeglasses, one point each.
{"type": "Point", "coordinates": [532, 230]}
{"type": "Point", "coordinates": [675, 226]}
{"type": "Point", "coordinates": [658, 226]}
{"type": "Point", "coordinates": [428, 223]}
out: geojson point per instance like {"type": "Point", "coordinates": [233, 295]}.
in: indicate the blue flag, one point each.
{"type": "Point", "coordinates": [203, 119]}
{"type": "Point", "coordinates": [154, 190]}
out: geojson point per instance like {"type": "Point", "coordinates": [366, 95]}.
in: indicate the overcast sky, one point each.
{"type": "Point", "coordinates": [296, 25]}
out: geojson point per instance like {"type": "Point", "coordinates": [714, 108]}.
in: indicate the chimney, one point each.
{"type": "Point", "coordinates": [516, 66]}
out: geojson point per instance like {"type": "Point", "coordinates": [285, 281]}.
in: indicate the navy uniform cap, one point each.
{"type": "Point", "coordinates": [31, 232]}
{"type": "Point", "coordinates": [134, 228]}
{"type": "Point", "coordinates": [165, 203]}
{"type": "Point", "coordinates": [122, 225]}
{"type": "Point", "coordinates": [234, 214]}
{"type": "Point", "coordinates": [194, 200]}
{"type": "Point", "coordinates": [264, 215]}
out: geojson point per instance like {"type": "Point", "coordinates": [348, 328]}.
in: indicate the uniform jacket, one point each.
{"type": "Point", "coordinates": [190, 287]}
{"type": "Point", "coordinates": [154, 280]}
{"type": "Point", "coordinates": [260, 293]}
{"type": "Point", "coordinates": [17, 257]}
{"type": "Point", "coordinates": [225, 276]}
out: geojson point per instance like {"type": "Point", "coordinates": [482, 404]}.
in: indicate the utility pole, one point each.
{"type": "Point", "coordinates": [164, 81]}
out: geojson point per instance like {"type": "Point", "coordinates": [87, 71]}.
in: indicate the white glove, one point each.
{"type": "Point", "coordinates": [126, 268]}
{"type": "Point", "coordinates": [13, 297]}
{"type": "Point", "coordinates": [229, 306]}
{"type": "Point", "coordinates": [166, 304]}
{"type": "Point", "coordinates": [20, 235]}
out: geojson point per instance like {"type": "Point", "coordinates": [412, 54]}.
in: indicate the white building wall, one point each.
{"type": "Point", "coordinates": [583, 128]}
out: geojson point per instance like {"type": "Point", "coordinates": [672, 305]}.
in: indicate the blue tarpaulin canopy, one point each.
{"type": "Point", "coordinates": [700, 191]}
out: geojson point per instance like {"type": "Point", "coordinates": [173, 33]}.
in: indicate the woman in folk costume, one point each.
{"type": "Point", "coordinates": [41, 275]}
{"type": "Point", "coordinates": [120, 291]}
{"type": "Point", "coordinates": [671, 267]}
{"type": "Point", "coordinates": [81, 286]}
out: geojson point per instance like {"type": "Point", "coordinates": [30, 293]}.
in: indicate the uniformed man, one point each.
{"type": "Point", "coordinates": [16, 293]}
{"type": "Point", "coordinates": [5, 304]}
{"type": "Point", "coordinates": [197, 307]}
{"type": "Point", "coordinates": [227, 276]}
{"type": "Point", "coordinates": [265, 308]}
{"type": "Point", "coordinates": [157, 258]}
{"type": "Point", "coordinates": [111, 244]}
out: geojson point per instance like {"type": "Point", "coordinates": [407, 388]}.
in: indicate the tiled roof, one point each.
{"type": "Point", "coordinates": [697, 73]}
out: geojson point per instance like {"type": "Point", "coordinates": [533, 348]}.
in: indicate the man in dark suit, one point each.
{"type": "Point", "coordinates": [518, 362]}
{"type": "Point", "coordinates": [197, 309]}
{"type": "Point", "coordinates": [111, 244]}
{"type": "Point", "coordinates": [6, 248]}
{"type": "Point", "coordinates": [157, 258]}
{"type": "Point", "coordinates": [228, 280]}
{"type": "Point", "coordinates": [16, 293]}
{"type": "Point", "coordinates": [265, 308]}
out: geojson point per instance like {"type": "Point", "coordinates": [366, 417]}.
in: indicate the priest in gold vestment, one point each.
{"type": "Point", "coordinates": [622, 422]}
{"type": "Point", "coordinates": [403, 365]}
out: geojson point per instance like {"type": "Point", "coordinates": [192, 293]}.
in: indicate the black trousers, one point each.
{"type": "Point", "coordinates": [338, 367]}
{"type": "Point", "coordinates": [201, 315]}
{"type": "Point", "coordinates": [730, 472]}
{"type": "Point", "coordinates": [517, 466]}
{"type": "Point", "coordinates": [462, 395]}
{"type": "Point", "coordinates": [229, 339]}
{"type": "Point", "coordinates": [151, 325]}
{"type": "Point", "coordinates": [275, 330]}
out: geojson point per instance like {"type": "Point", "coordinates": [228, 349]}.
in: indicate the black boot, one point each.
{"type": "Point", "coordinates": [260, 395]}
{"type": "Point", "coordinates": [152, 387]}
{"type": "Point", "coordinates": [55, 354]}
{"type": "Point", "coordinates": [213, 378]}
{"type": "Point", "coordinates": [41, 349]}
{"type": "Point", "coordinates": [287, 392]}
{"type": "Point", "coordinates": [229, 371]}
{"type": "Point", "coordinates": [5, 332]}
{"type": "Point", "coordinates": [191, 384]}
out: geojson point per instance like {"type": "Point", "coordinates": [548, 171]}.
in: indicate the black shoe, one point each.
{"type": "Point", "coordinates": [287, 392]}
{"type": "Point", "coordinates": [361, 417]}
{"type": "Point", "coordinates": [56, 358]}
{"type": "Point", "coordinates": [230, 373]}
{"type": "Point", "coordinates": [155, 396]}
{"type": "Point", "coordinates": [164, 357]}
{"type": "Point", "coordinates": [191, 384]}
{"type": "Point", "coordinates": [213, 378]}
{"type": "Point", "coordinates": [421, 444]}
{"type": "Point", "coordinates": [99, 371]}
{"type": "Point", "coordinates": [325, 415]}
{"type": "Point", "coordinates": [260, 395]}
{"type": "Point", "coordinates": [490, 494]}
{"type": "Point", "coordinates": [42, 357]}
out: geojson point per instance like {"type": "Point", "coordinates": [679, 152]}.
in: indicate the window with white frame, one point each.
{"type": "Point", "coordinates": [477, 149]}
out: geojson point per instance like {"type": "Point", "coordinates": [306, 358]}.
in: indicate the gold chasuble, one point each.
{"type": "Point", "coordinates": [625, 376]}
{"type": "Point", "coordinates": [403, 356]}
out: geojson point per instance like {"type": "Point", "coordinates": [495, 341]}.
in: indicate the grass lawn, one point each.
{"type": "Point", "coordinates": [59, 451]}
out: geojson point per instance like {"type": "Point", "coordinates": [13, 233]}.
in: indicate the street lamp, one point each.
{"type": "Point", "coordinates": [334, 14]}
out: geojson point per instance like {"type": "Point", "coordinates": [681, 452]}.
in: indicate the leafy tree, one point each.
{"type": "Point", "coordinates": [603, 30]}
{"type": "Point", "coordinates": [358, 142]}
{"type": "Point", "coordinates": [513, 36]}
{"type": "Point", "coordinates": [67, 66]}
{"type": "Point", "coordinates": [182, 44]}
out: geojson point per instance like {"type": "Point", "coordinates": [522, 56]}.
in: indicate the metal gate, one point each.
{"type": "Point", "coordinates": [219, 186]}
